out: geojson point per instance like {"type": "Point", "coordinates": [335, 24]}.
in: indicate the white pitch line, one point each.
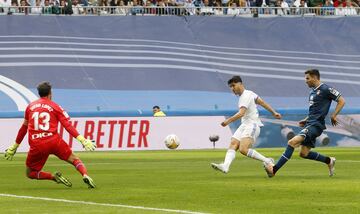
{"type": "Point", "coordinates": [98, 204]}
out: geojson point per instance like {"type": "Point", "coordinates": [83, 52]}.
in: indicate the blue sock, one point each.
{"type": "Point", "coordinates": [284, 158]}
{"type": "Point", "coordinates": [318, 157]}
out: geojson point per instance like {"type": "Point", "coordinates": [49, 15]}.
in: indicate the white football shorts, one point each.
{"type": "Point", "coordinates": [251, 130]}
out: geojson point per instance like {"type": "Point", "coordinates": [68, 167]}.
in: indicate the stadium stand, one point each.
{"type": "Point", "coordinates": [134, 66]}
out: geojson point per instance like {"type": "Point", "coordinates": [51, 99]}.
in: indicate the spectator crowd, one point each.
{"type": "Point", "coordinates": [181, 7]}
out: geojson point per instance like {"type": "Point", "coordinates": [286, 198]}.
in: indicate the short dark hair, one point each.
{"type": "Point", "coordinates": [313, 72]}
{"type": "Point", "coordinates": [235, 79]}
{"type": "Point", "coordinates": [156, 107]}
{"type": "Point", "coordinates": [44, 89]}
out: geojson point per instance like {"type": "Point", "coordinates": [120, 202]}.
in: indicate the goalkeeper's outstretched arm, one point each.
{"type": "Point", "coordinates": [88, 144]}
{"type": "Point", "coordinates": [10, 152]}
{"type": "Point", "coordinates": [22, 132]}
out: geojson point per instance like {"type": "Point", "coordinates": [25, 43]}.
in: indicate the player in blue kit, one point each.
{"type": "Point", "coordinates": [320, 100]}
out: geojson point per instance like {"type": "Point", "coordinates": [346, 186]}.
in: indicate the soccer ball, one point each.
{"type": "Point", "coordinates": [172, 141]}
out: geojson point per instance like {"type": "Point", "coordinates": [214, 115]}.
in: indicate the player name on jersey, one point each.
{"type": "Point", "coordinates": [41, 105]}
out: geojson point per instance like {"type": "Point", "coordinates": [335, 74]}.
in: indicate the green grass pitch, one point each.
{"type": "Point", "coordinates": [184, 180]}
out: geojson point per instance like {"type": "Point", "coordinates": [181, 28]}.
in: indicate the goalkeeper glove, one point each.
{"type": "Point", "coordinates": [10, 152]}
{"type": "Point", "coordinates": [88, 144]}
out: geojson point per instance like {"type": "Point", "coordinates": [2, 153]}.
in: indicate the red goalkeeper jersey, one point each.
{"type": "Point", "coordinates": [43, 116]}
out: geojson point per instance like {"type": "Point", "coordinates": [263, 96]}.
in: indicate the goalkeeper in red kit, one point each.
{"type": "Point", "coordinates": [41, 122]}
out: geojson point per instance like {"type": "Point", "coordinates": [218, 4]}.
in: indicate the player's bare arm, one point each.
{"type": "Point", "coordinates": [340, 104]}
{"type": "Point", "coordinates": [235, 117]}
{"type": "Point", "coordinates": [303, 122]}
{"type": "Point", "coordinates": [266, 106]}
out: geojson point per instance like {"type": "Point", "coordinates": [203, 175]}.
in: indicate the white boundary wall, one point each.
{"type": "Point", "coordinates": [133, 133]}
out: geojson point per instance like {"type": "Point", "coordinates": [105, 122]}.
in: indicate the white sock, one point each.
{"type": "Point", "coordinates": [252, 153]}
{"type": "Point", "coordinates": [229, 157]}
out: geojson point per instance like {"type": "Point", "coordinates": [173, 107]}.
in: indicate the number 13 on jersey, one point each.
{"type": "Point", "coordinates": [41, 120]}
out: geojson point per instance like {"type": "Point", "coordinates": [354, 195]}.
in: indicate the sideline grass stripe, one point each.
{"type": "Point", "coordinates": [99, 204]}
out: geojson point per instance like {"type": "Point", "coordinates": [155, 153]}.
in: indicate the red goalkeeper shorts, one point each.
{"type": "Point", "coordinates": [39, 153]}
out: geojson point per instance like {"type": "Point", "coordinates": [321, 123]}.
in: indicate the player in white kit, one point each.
{"type": "Point", "coordinates": [245, 136]}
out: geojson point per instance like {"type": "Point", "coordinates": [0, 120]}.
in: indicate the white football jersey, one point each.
{"type": "Point", "coordinates": [247, 100]}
